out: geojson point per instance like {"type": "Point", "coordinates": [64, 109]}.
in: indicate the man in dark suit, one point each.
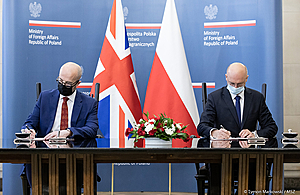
{"type": "Point", "coordinates": [220, 117]}
{"type": "Point", "coordinates": [226, 116]}
{"type": "Point", "coordinates": [45, 119]}
{"type": "Point", "coordinates": [81, 111]}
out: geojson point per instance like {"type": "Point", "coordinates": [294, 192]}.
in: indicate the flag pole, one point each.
{"type": "Point", "coordinates": [112, 179]}
{"type": "Point", "coordinates": [170, 179]}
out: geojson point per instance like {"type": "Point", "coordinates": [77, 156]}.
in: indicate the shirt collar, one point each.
{"type": "Point", "coordinates": [71, 97]}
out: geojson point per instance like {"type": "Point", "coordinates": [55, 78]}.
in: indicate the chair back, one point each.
{"type": "Point", "coordinates": [264, 90]}
{"type": "Point", "coordinates": [204, 95]}
{"type": "Point", "coordinates": [97, 89]}
{"type": "Point", "coordinates": [38, 90]}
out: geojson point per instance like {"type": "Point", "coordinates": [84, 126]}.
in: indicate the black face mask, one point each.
{"type": "Point", "coordinates": [63, 90]}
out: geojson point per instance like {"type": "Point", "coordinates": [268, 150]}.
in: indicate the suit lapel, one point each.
{"type": "Point", "coordinates": [229, 103]}
{"type": "Point", "coordinates": [53, 102]}
{"type": "Point", "coordinates": [247, 104]}
{"type": "Point", "coordinates": [76, 109]}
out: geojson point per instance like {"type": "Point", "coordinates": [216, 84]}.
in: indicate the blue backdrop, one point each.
{"type": "Point", "coordinates": [252, 35]}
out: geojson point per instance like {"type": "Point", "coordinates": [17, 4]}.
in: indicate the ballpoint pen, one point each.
{"type": "Point", "coordinates": [29, 129]}
{"type": "Point", "coordinates": [222, 127]}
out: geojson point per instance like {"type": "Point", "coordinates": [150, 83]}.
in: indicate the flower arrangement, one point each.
{"type": "Point", "coordinates": [161, 127]}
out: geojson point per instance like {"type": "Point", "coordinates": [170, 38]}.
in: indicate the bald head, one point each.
{"type": "Point", "coordinates": [70, 72]}
{"type": "Point", "coordinates": [237, 75]}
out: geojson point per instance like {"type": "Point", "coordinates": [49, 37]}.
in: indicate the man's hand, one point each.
{"type": "Point", "coordinates": [58, 145]}
{"type": "Point", "coordinates": [220, 144]}
{"type": "Point", "coordinates": [32, 145]}
{"type": "Point", "coordinates": [221, 134]}
{"type": "Point", "coordinates": [245, 133]}
{"type": "Point", "coordinates": [244, 144]}
{"type": "Point", "coordinates": [56, 134]}
{"type": "Point", "coordinates": [31, 131]}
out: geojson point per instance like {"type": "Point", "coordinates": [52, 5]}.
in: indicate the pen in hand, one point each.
{"type": "Point", "coordinates": [229, 134]}
{"type": "Point", "coordinates": [28, 128]}
{"type": "Point", "coordinates": [32, 132]}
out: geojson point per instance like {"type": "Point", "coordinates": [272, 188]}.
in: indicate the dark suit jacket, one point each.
{"type": "Point", "coordinates": [84, 121]}
{"type": "Point", "coordinates": [220, 110]}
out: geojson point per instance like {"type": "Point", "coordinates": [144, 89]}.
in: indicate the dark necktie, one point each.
{"type": "Point", "coordinates": [238, 107]}
{"type": "Point", "coordinates": [64, 114]}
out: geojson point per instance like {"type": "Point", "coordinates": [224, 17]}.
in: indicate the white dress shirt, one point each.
{"type": "Point", "coordinates": [70, 102]}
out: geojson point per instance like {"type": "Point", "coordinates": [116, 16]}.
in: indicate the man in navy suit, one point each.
{"type": "Point", "coordinates": [220, 118]}
{"type": "Point", "coordinates": [45, 120]}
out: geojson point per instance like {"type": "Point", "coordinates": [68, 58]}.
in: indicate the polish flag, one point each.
{"type": "Point", "coordinates": [119, 104]}
{"type": "Point", "coordinates": [170, 88]}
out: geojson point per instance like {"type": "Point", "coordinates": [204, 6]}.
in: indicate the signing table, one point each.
{"type": "Point", "coordinates": [88, 154]}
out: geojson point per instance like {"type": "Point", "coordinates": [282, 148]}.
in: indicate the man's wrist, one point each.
{"type": "Point", "coordinates": [210, 133]}
{"type": "Point", "coordinates": [70, 132]}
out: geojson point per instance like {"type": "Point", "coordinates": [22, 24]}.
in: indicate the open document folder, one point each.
{"type": "Point", "coordinates": [51, 140]}
{"type": "Point", "coordinates": [252, 140]}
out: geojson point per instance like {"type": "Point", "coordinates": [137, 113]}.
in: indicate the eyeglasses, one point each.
{"type": "Point", "coordinates": [67, 84]}
{"type": "Point", "coordinates": [236, 84]}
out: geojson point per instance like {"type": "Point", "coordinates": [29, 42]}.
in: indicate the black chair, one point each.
{"type": "Point", "coordinates": [25, 183]}
{"type": "Point", "coordinates": [97, 90]}
{"type": "Point", "coordinates": [99, 135]}
{"type": "Point", "coordinates": [202, 173]}
{"type": "Point", "coordinates": [269, 165]}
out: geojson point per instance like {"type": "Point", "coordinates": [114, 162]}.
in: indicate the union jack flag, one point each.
{"type": "Point", "coordinates": [119, 105]}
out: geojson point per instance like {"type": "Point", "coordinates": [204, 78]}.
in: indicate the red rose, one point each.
{"type": "Point", "coordinates": [141, 132]}
{"type": "Point", "coordinates": [127, 132]}
{"type": "Point", "coordinates": [152, 132]}
{"type": "Point", "coordinates": [159, 125]}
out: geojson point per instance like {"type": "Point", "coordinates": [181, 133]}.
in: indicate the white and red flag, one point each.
{"type": "Point", "coordinates": [169, 87]}
{"type": "Point", "coordinates": [119, 105]}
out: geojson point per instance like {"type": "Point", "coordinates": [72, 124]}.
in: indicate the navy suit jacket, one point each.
{"type": "Point", "coordinates": [84, 121]}
{"type": "Point", "coordinates": [220, 110]}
